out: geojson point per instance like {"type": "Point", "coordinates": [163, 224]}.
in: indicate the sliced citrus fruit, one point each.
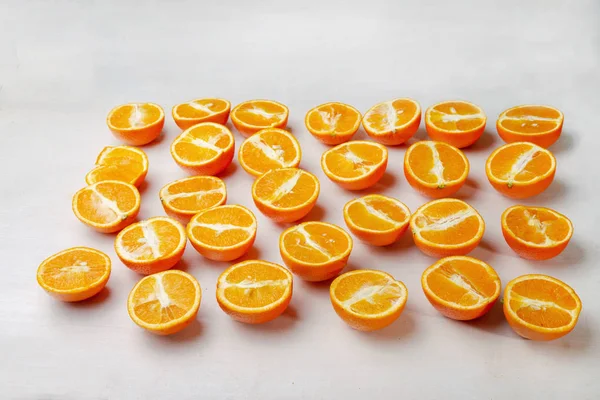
{"type": "Point", "coordinates": [136, 124]}
{"type": "Point", "coordinates": [254, 291]}
{"type": "Point", "coordinates": [333, 123]}
{"type": "Point", "coordinates": [458, 123]}
{"type": "Point", "coordinates": [74, 274]}
{"type": "Point", "coordinates": [393, 122]}
{"type": "Point", "coordinates": [269, 149]}
{"type": "Point", "coordinates": [166, 302]}
{"type": "Point", "coordinates": [119, 163]}
{"type": "Point", "coordinates": [355, 165]}
{"type": "Point", "coordinates": [520, 170]}
{"type": "Point", "coordinates": [537, 124]}
{"type": "Point", "coordinates": [184, 198]}
{"type": "Point", "coordinates": [540, 307]}
{"type": "Point", "coordinates": [201, 110]}
{"type": "Point", "coordinates": [252, 116]}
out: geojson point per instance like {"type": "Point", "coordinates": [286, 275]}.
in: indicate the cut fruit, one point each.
{"type": "Point", "coordinates": [196, 111]}
{"type": "Point", "coordinates": [455, 122]}
{"type": "Point", "coordinates": [537, 124]}
{"type": "Point", "coordinates": [165, 303]}
{"type": "Point", "coordinates": [184, 198]}
{"type": "Point", "coordinates": [355, 165]}
{"type": "Point", "coordinates": [446, 227]}
{"type": "Point", "coordinates": [151, 246]}
{"type": "Point", "coordinates": [74, 274]}
{"type": "Point", "coordinates": [368, 300]}
{"type": "Point", "coordinates": [520, 170]}
{"type": "Point", "coordinates": [254, 291]}
{"type": "Point", "coordinates": [107, 206]}
{"type": "Point", "coordinates": [119, 163]}
{"type": "Point", "coordinates": [136, 124]}
{"type": "Point", "coordinates": [393, 122]}
{"type": "Point", "coordinates": [540, 307]}
{"type": "Point", "coordinates": [333, 123]}
{"type": "Point", "coordinates": [461, 288]}
{"type": "Point", "coordinates": [536, 233]}
{"type": "Point", "coordinates": [286, 194]}
{"type": "Point", "coordinates": [269, 149]}
{"type": "Point", "coordinates": [223, 233]}
{"type": "Point", "coordinates": [252, 116]}
{"type": "Point", "coordinates": [315, 251]}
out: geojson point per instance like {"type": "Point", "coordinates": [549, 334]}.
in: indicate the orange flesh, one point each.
{"type": "Point", "coordinates": [197, 193]}
{"type": "Point", "coordinates": [255, 285]}
{"type": "Point", "coordinates": [95, 204]}
{"type": "Point", "coordinates": [119, 164]}
{"type": "Point", "coordinates": [351, 160]}
{"type": "Point", "coordinates": [260, 113]}
{"type": "Point", "coordinates": [378, 118]}
{"type": "Point", "coordinates": [134, 116]}
{"type": "Point", "coordinates": [422, 163]}
{"type": "Point", "coordinates": [333, 118]}
{"type": "Point", "coordinates": [286, 188]}
{"type": "Point", "coordinates": [202, 143]}
{"type": "Point", "coordinates": [138, 238]}
{"type": "Point", "coordinates": [445, 116]}
{"type": "Point", "coordinates": [73, 270]}
{"type": "Point", "coordinates": [535, 225]}
{"type": "Point", "coordinates": [219, 234]}
{"type": "Point", "coordinates": [315, 243]}
{"type": "Point", "coordinates": [527, 120]}
{"type": "Point", "coordinates": [280, 145]}
{"type": "Point", "coordinates": [187, 110]}
{"type": "Point", "coordinates": [448, 223]}
{"type": "Point", "coordinates": [520, 163]}
{"type": "Point", "coordinates": [360, 215]}
{"type": "Point", "coordinates": [368, 293]}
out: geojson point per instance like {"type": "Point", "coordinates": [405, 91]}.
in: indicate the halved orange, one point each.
{"type": "Point", "coordinates": [201, 110]}
{"type": "Point", "coordinates": [315, 251]}
{"type": "Point", "coordinates": [152, 245]}
{"type": "Point", "coordinates": [252, 116]}
{"type": "Point", "coordinates": [223, 233]}
{"type": "Point", "coordinates": [269, 149]}
{"type": "Point", "coordinates": [355, 165]}
{"type": "Point", "coordinates": [461, 288]}
{"type": "Point", "coordinates": [107, 206]}
{"type": "Point", "coordinates": [254, 291]}
{"type": "Point", "coordinates": [119, 163]}
{"type": "Point", "coordinates": [537, 124]}
{"type": "Point", "coordinates": [333, 123]}
{"type": "Point", "coordinates": [520, 170]}
{"type": "Point", "coordinates": [136, 124]}
{"type": "Point", "coordinates": [368, 300]}
{"type": "Point", "coordinates": [184, 198]}
{"type": "Point", "coordinates": [165, 303]}
{"type": "Point", "coordinates": [393, 122]}
{"type": "Point", "coordinates": [540, 307]}
{"type": "Point", "coordinates": [285, 194]}
{"type": "Point", "coordinates": [74, 274]}
{"type": "Point", "coordinates": [455, 122]}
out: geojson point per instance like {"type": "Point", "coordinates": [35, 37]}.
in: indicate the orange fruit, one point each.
{"type": "Point", "coordinates": [315, 251]}
{"type": "Point", "coordinates": [252, 116]}
{"type": "Point", "coordinates": [458, 123]}
{"type": "Point", "coordinates": [376, 219]}
{"type": "Point", "coordinates": [184, 198]}
{"type": "Point", "coordinates": [537, 124]}
{"type": "Point", "coordinates": [446, 227]}
{"type": "Point", "coordinates": [435, 169]}
{"type": "Point", "coordinates": [204, 149]}
{"type": "Point", "coordinates": [152, 245]}
{"type": "Point", "coordinates": [520, 170]}
{"type": "Point", "coordinates": [223, 233]}
{"type": "Point", "coordinates": [119, 163]}
{"type": "Point", "coordinates": [254, 291]}
{"type": "Point", "coordinates": [540, 307]}
{"type": "Point", "coordinates": [74, 274]}
{"type": "Point", "coordinates": [368, 300]}
{"type": "Point", "coordinates": [393, 122]}
{"type": "Point", "coordinates": [107, 206]}
{"type": "Point", "coordinates": [201, 110]}
{"type": "Point", "coordinates": [166, 302]}
{"type": "Point", "coordinates": [536, 233]}
{"type": "Point", "coordinates": [333, 123]}
{"type": "Point", "coordinates": [285, 194]}
{"type": "Point", "coordinates": [355, 165]}
{"type": "Point", "coordinates": [461, 288]}
{"type": "Point", "coordinates": [269, 149]}
{"type": "Point", "coordinates": [136, 124]}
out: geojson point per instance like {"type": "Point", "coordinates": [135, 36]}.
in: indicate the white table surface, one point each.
{"type": "Point", "coordinates": [64, 65]}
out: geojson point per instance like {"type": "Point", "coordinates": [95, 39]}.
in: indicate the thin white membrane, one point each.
{"type": "Point", "coordinates": [358, 162]}
{"type": "Point", "coordinates": [210, 143]}
{"type": "Point", "coordinates": [521, 163]}
{"type": "Point", "coordinates": [274, 153]}
{"type": "Point", "coordinates": [441, 224]}
{"type": "Point", "coordinates": [537, 304]}
{"type": "Point", "coordinates": [263, 113]}
{"type": "Point", "coordinates": [379, 214]}
{"type": "Point", "coordinates": [202, 107]}
{"type": "Point", "coordinates": [148, 244]}
{"type": "Point", "coordinates": [221, 228]}
{"type": "Point", "coordinates": [286, 188]}
{"type": "Point", "coordinates": [460, 281]}
{"type": "Point", "coordinates": [136, 118]}
{"type": "Point", "coordinates": [455, 117]}
{"type": "Point", "coordinates": [250, 283]}
{"type": "Point", "coordinates": [78, 267]}
{"type": "Point", "coordinates": [107, 208]}
{"type": "Point", "coordinates": [368, 292]}
{"type": "Point", "coordinates": [539, 226]}
{"type": "Point", "coordinates": [168, 197]}
{"type": "Point", "coordinates": [438, 167]}
{"type": "Point", "coordinates": [330, 119]}
{"type": "Point", "coordinates": [311, 244]}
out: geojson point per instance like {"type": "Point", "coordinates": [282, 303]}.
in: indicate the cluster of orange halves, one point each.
{"type": "Point", "coordinates": [255, 291]}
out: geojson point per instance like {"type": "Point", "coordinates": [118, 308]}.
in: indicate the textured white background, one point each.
{"type": "Point", "coordinates": [64, 65]}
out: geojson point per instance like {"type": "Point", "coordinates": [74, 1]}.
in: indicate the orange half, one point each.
{"type": "Point", "coordinates": [119, 163]}
{"type": "Point", "coordinates": [136, 124]}
{"type": "Point", "coordinates": [269, 149]}
{"type": "Point", "coordinates": [201, 110]}
{"type": "Point", "coordinates": [355, 165]}
{"type": "Point", "coordinates": [537, 124]}
{"type": "Point", "coordinates": [393, 122]}
{"type": "Point", "coordinates": [333, 123]}
{"type": "Point", "coordinates": [252, 116]}
{"type": "Point", "coordinates": [184, 198]}
{"type": "Point", "coordinates": [455, 122]}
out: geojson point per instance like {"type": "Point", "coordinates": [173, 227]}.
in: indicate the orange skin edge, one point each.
{"type": "Point", "coordinates": [144, 268]}
{"type": "Point", "coordinates": [247, 130]}
{"type": "Point", "coordinates": [222, 254]}
{"type": "Point", "coordinates": [362, 183]}
{"type": "Point", "coordinates": [382, 238]}
{"type": "Point", "coordinates": [185, 217]}
{"type": "Point", "coordinates": [213, 167]}
{"type": "Point", "coordinates": [544, 140]}
{"type": "Point", "coordinates": [520, 190]}
{"type": "Point", "coordinates": [400, 136]}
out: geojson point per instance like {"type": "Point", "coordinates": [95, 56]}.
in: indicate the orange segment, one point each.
{"type": "Point", "coordinates": [537, 124]}
{"type": "Point", "coordinates": [333, 123]}
{"type": "Point", "coordinates": [393, 122]}
{"type": "Point", "coordinates": [252, 116]}
{"type": "Point", "coordinates": [119, 163]}
{"type": "Point", "coordinates": [136, 124]}
{"type": "Point", "coordinates": [458, 123]}
{"type": "Point", "coordinates": [184, 198]}
{"type": "Point", "coordinates": [355, 165]}
{"type": "Point", "coordinates": [269, 149]}
{"type": "Point", "coordinates": [201, 110]}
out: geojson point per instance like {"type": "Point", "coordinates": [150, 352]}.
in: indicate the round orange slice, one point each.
{"type": "Point", "coordinates": [368, 300]}
{"type": "Point", "coordinates": [223, 233]}
{"type": "Point", "coordinates": [540, 307]}
{"type": "Point", "coordinates": [184, 198]}
{"type": "Point", "coordinates": [74, 274]}
{"type": "Point", "coordinates": [461, 288]}
{"type": "Point", "coordinates": [196, 111]}
{"type": "Point", "coordinates": [355, 165]}
{"type": "Point", "coordinates": [252, 116]}
{"type": "Point", "coordinates": [446, 227]}
{"type": "Point", "coordinates": [269, 149]}
{"type": "Point", "coordinates": [136, 124]}
{"type": "Point", "coordinates": [455, 122]}
{"type": "Point", "coordinates": [107, 206]}
{"type": "Point", "coordinates": [393, 122]}
{"type": "Point", "coordinates": [333, 123]}
{"type": "Point", "coordinates": [254, 291]}
{"type": "Point", "coordinates": [315, 251]}
{"type": "Point", "coordinates": [537, 124]}
{"type": "Point", "coordinates": [520, 170]}
{"type": "Point", "coordinates": [152, 245]}
{"type": "Point", "coordinates": [119, 163]}
{"type": "Point", "coordinates": [165, 303]}
{"type": "Point", "coordinates": [285, 194]}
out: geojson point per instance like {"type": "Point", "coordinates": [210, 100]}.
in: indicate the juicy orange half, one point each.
{"type": "Point", "coordinates": [201, 110]}
{"type": "Point", "coordinates": [333, 123]}
{"type": "Point", "coordinates": [355, 165]}
{"type": "Point", "coordinates": [537, 124]}
{"type": "Point", "coordinates": [393, 122]}
{"type": "Point", "coordinates": [136, 124]}
{"type": "Point", "coordinates": [184, 198]}
{"type": "Point", "coordinates": [269, 149]}
{"type": "Point", "coordinates": [252, 116]}
{"type": "Point", "coordinates": [119, 163]}
{"type": "Point", "coordinates": [455, 122]}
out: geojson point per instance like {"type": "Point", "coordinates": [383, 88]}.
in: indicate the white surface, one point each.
{"type": "Point", "coordinates": [64, 65]}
